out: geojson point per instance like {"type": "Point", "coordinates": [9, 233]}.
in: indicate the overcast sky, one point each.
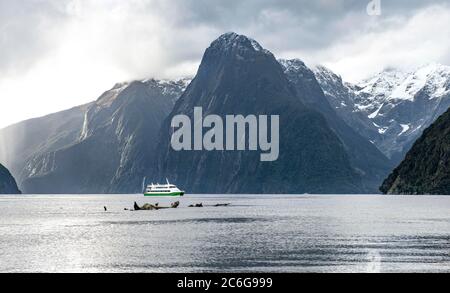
{"type": "Point", "coordinates": [55, 54]}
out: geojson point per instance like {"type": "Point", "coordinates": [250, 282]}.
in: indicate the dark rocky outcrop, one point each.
{"type": "Point", "coordinates": [426, 167]}
{"type": "Point", "coordinates": [7, 183]}
{"type": "Point", "coordinates": [152, 207]}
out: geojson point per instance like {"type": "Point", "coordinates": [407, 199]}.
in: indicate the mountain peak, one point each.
{"type": "Point", "coordinates": [231, 40]}
{"type": "Point", "coordinates": [396, 84]}
{"type": "Point", "coordinates": [324, 73]}
{"type": "Point", "coordinates": [296, 67]}
{"type": "Point", "coordinates": [294, 64]}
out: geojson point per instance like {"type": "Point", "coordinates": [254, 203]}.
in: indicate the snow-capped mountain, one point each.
{"type": "Point", "coordinates": [167, 87]}
{"type": "Point", "coordinates": [399, 105]}
{"type": "Point", "coordinates": [394, 85]}
{"type": "Point", "coordinates": [342, 98]}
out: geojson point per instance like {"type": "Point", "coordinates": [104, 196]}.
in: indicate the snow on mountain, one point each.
{"type": "Point", "coordinates": [394, 85]}
{"type": "Point", "coordinates": [388, 89]}
{"type": "Point", "coordinates": [399, 104]}
{"type": "Point", "coordinates": [167, 87]}
{"type": "Point", "coordinates": [343, 98]}
{"type": "Point", "coordinates": [232, 41]}
{"type": "Point", "coordinates": [296, 65]}
{"type": "Point", "coordinates": [237, 76]}
{"type": "Point", "coordinates": [405, 128]}
{"type": "Point", "coordinates": [334, 102]}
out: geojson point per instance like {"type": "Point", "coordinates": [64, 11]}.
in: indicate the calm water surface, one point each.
{"type": "Point", "coordinates": [255, 233]}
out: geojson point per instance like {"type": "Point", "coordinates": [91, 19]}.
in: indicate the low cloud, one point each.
{"type": "Point", "coordinates": [61, 53]}
{"type": "Point", "coordinates": [397, 42]}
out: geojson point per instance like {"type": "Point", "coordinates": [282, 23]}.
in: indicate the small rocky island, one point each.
{"type": "Point", "coordinates": [7, 183]}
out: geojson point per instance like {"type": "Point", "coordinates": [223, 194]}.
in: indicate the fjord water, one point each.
{"type": "Point", "coordinates": [73, 233]}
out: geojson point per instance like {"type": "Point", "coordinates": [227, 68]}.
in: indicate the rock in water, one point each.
{"type": "Point", "coordinates": [7, 183]}
{"type": "Point", "coordinates": [426, 168]}
{"type": "Point", "coordinates": [150, 207]}
{"type": "Point", "coordinates": [136, 206]}
{"type": "Point", "coordinates": [198, 205]}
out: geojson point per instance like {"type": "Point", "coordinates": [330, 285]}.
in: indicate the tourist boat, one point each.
{"type": "Point", "coordinates": [163, 190]}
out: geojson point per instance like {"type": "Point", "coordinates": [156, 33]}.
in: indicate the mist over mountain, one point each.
{"type": "Point", "coordinates": [105, 146]}
{"type": "Point", "coordinates": [32, 137]}
{"type": "Point", "coordinates": [426, 168]}
{"type": "Point", "coordinates": [7, 183]}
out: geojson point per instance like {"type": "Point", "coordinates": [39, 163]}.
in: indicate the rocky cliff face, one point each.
{"type": "Point", "coordinates": [426, 168]}
{"type": "Point", "coordinates": [7, 183]}
{"type": "Point", "coordinates": [31, 138]}
{"type": "Point", "coordinates": [393, 107]}
{"type": "Point", "coordinates": [103, 147]}
{"type": "Point", "coordinates": [343, 99]}
{"type": "Point", "coordinates": [238, 76]}
{"type": "Point", "coordinates": [372, 165]}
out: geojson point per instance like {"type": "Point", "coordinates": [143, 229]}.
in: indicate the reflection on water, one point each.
{"type": "Point", "coordinates": [189, 221]}
{"type": "Point", "coordinates": [373, 262]}
{"type": "Point", "coordinates": [255, 233]}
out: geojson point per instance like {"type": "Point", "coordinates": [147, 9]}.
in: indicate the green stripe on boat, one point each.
{"type": "Point", "coordinates": [165, 194]}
